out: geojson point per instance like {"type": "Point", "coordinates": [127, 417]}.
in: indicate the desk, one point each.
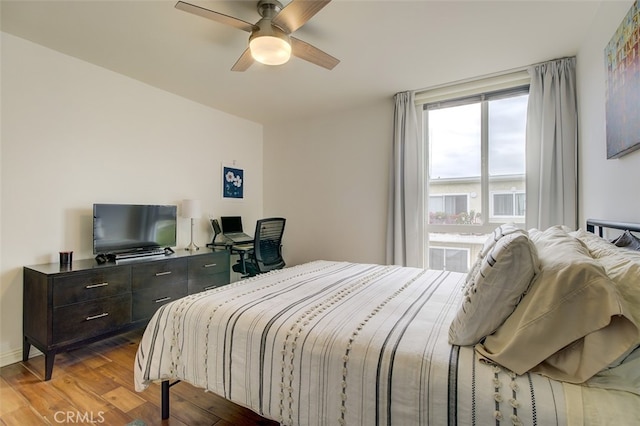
{"type": "Point", "coordinates": [242, 250]}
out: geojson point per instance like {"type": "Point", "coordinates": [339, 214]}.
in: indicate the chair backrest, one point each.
{"type": "Point", "coordinates": [268, 243]}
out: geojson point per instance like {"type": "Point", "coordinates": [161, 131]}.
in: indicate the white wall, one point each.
{"type": "Point", "coordinates": [608, 188]}
{"type": "Point", "coordinates": [74, 134]}
{"type": "Point", "coordinates": [329, 177]}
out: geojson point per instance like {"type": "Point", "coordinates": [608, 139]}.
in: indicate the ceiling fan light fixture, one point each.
{"type": "Point", "coordinates": [269, 40]}
{"type": "Point", "coordinates": [270, 47]}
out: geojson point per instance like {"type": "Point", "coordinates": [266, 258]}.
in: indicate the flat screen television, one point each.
{"type": "Point", "coordinates": [133, 228]}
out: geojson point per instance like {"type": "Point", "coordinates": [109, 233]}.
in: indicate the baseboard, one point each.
{"type": "Point", "coordinates": [14, 356]}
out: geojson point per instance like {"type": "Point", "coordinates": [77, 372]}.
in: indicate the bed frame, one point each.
{"type": "Point", "coordinates": [592, 225]}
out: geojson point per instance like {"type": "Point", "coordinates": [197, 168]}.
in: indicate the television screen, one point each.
{"type": "Point", "coordinates": [125, 228]}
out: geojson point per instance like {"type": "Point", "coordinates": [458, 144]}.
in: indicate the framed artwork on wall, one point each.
{"type": "Point", "coordinates": [622, 60]}
{"type": "Point", "coordinates": [232, 182]}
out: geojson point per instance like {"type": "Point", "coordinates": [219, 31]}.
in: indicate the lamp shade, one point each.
{"type": "Point", "coordinates": [270, 50]}
{"type": "Point", "coordinates": [191, 209]}
{"type": "Point", "coordinates": [269, 45]}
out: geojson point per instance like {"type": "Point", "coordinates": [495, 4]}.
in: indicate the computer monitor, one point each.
{"type": "Point", "coordinates": [231, 224]}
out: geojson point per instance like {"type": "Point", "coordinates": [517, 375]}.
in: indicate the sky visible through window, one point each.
{"type": "Point", "coordinates": [454, 139]}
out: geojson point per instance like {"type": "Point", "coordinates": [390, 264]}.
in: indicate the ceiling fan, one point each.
{"type": "Point", "coordinates": [270, 41]}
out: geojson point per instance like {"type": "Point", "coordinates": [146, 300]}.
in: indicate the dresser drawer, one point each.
{"type": "Point", "coordinates": [83, 320]}
{"type": "Point", "coordinates": [208, 271]}
{"type": "Point", "coordinates": [158, 273]}
{"type": "Point", "coordinates": [148, 300]}
{"type": "Point", "coordinates": [208, 282]}
{"type": "Point", "coordinates": [208, 265]}
{"type": "Point", "coordinates": [97, 284]}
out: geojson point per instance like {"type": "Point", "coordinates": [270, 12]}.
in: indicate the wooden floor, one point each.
{"type": "Point", "coordinates": [94, 385]}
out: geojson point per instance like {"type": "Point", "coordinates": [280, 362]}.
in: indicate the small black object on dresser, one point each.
{"type": "Point", "coordinates": [69, 306]}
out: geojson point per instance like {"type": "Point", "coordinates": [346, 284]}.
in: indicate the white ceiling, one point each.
{"type": "Point", "coordinates": [384, 46]}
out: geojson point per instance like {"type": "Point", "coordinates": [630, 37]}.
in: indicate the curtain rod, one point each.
{"type": "Point", "coordinates": [491, 75]}
{"type": "Point", "coordinates": [471, 79]}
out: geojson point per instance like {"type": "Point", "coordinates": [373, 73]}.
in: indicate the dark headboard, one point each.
{"type": "Point", "coordinates": [592, 224]}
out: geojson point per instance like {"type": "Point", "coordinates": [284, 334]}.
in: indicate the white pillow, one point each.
{"type": "Point", "coordinates": [492, 239]}
{"type": "Point", "coordinates": [495, 289]}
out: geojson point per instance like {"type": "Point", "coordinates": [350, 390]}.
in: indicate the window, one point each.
{"type": "Point", "coordinates": [447, 207]}
{"type": "Point", "coordinates": [449, 259]}
{"type": "Point", "coordinates": [474, 174]}
{"type": "Point", "coordinates": [508, 204]}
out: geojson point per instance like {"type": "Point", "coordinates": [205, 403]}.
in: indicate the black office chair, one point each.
{"type": "Point", "coordinates": [266, 254]}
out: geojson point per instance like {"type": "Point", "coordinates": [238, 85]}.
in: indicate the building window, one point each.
{"type": "Point", "coordinates": [446, 208]}
{"type": "Point", "coordinates": [508, 204]}
{"type": "Point", "coordinates": [474, 173]}
{"type": "Point", "coordinates": [449, 259]}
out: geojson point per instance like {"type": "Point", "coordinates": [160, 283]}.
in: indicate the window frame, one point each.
{"type": "Point", "coordinates": [483, 98]}
{"type": "Point", "coordinates": [509, 84]}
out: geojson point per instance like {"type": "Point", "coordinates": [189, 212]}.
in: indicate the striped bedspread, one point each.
{"type": "Point", "coordinates": [328, 343]}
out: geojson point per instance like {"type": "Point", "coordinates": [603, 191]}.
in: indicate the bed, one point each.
{"type": "Point", "coordinates": [327, 343]}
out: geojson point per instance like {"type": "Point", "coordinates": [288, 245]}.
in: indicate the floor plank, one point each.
{"type": "Point", "coordinates": [74, 389]}
{"type": "Point", "coordinates": [11, 400]}
{"type": "Point", "coordinates": [150, 414]}
{"type": "Point", "coordinates": [41, 396]}
{"type": "Point", "coordinates": [123, 399]}
{"type": "Point", "coordinates": [94, 385]}
{"type": "Point", "coordinates": [23, 416]}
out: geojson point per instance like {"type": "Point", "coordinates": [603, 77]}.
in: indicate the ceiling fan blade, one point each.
{"type": "Point", "coordinates": [312, 54]}
{"type": "Point", "coordinates": [244, 61]}
{"type": "Point", "coordinates": [297, 13]}
{"type": "Point", "coordinates": [215, 16]}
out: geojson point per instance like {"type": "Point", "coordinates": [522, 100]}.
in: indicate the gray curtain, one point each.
{"type": "Point", "coordinates": [552, 138]}
{"type": "Point", "coordinates": [403, 230]}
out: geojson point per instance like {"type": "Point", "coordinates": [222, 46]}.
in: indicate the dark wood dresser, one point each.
{"type": "Point", "coordinates": [68, 306]}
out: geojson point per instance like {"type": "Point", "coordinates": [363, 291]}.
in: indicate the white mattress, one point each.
{"type": "Point", "coordinates": [329, 343]}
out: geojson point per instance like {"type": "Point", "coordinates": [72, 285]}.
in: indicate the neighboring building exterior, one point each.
{"type": "Point", "coordinates": [458, 201]}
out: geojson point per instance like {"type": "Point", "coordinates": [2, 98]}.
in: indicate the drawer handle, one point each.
{"type": "Point", "coordinates": [104, 314]}
{"type": "Point", "coordinates": [209, 287]}
{"type": "Point", "coordinates": [159, 274]}
{"type": "Point", "coordinates": [97, 285]}
{"type": "Point", "coordinates": [209, 265]}
{"type": "Point", "coordinates": [163, 299]}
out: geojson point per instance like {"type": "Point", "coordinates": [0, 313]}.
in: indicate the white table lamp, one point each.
{"type": "Point", "coordinates": [191, 210]}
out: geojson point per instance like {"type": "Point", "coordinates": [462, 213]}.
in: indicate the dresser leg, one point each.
{"type": "Point", "coordinates": [49, 357]}
{"type": "Point", "coordinates": [26, 348]}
